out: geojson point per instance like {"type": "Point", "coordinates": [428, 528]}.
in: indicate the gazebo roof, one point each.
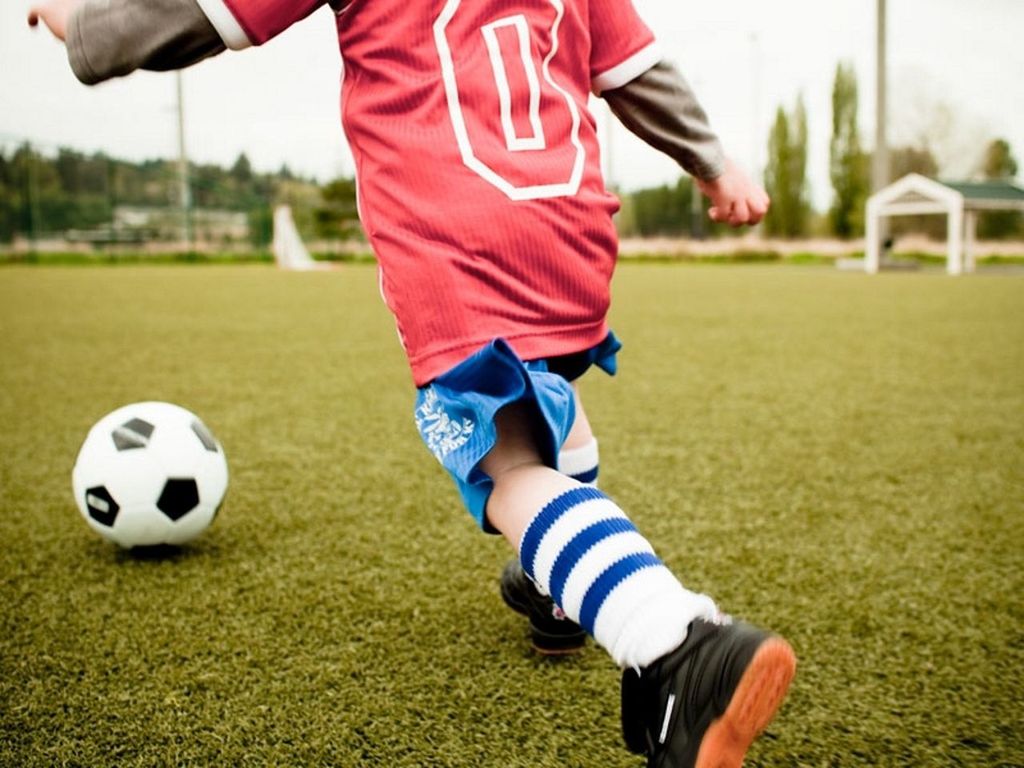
{"type": "Point", "coordinates": [918, 194]}
{"type": "Point", "coordinates": [987, 190]}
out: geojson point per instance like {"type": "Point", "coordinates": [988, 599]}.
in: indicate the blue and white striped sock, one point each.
{"type": "Point", "coordinates": [580, 463]}
{"type": "Point", "coordinates": [583, 551]}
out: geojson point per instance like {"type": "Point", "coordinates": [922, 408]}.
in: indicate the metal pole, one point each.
{"type": "Point", "coordinates": [880, 159]}
{"type": "Point", "coordinates": [880, 164]}
{"type": "Point", "coordinates": [185, 192]}
{"type": "Point", "coordinates": [756, 170]}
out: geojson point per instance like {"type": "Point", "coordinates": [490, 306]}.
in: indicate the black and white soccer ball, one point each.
{"type": "Point", "coordinates": [148, 474]}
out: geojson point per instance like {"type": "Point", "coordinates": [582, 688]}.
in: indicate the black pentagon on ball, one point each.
{"type": "Point", "coordinates": [179, 497]}
{"type": "Point", "coordinates": [101, 505]}
{"type": "Point", "coordinates": [134, 433]}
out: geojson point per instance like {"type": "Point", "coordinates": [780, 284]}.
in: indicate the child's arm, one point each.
{"type": "Point", "coordinates": [659, 107]}
{"type": "Point", "coordinates": [108, 38]}
{"type": "Point", "coordinates": [654, 101]}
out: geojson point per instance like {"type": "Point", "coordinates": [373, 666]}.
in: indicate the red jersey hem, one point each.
{"type": "Point", "coordinates": [528, 346]}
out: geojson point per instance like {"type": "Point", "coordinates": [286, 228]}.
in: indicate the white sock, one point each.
{"type": "Point", "coordinates": [583, 551]}
{"type": "Point", "coordinates": [580, 463]}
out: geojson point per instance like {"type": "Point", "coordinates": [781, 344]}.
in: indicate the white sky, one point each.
{"type": "Point", "coordinates": [956, 71]}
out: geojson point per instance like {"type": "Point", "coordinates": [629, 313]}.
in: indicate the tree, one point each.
{"type": "Point", "coordinates": [662, 210]}
{"type": "Point", "coordinates": [904, 160]}
{"type": "Point", "coordinates": [337, 218]}
{"type": "Point", "coordinates": [999, 164]}
{"type": "Point", "coordinates": [667, 211]}
{"type": "Point", "coordinates": [786, 173]}
{"type": "Point", "coordinates": [241, 171]}
{"type": "Point", "coordinates": [848, 167]}
{"type": "Point", "coordinates": [8, 200]}
{"type": "Point", "coordinates": [42, 205]}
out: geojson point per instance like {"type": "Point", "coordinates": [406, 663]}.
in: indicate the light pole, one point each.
{"type": "Point", "coordinates": [880, 161]}
{"type": "Point", "coordinates": [185, 191]}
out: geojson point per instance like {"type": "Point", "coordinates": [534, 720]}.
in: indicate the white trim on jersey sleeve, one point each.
{"type": "Point", "coordinates": [227, 26]}
{"type": "Point", "coordinates": [627, 70]}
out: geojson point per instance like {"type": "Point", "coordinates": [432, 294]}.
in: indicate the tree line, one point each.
{"type": "Point", "coordinates": [45, 195]}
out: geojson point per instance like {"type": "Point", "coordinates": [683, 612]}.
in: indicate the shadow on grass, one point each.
{"type": "Point", "coordinates": [163, 553]}
{"type": "Point", "coordinates": [159, 552]}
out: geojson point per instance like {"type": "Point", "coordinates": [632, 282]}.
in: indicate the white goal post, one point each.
{"type": "Point", "coordinates": [289, 251]}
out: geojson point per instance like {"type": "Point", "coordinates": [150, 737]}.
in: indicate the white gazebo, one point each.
{"type": "Point", "coordinates": [960, 202]}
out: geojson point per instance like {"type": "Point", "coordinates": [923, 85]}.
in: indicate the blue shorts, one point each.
{"type": "Point", "coordinates": [455, 412]}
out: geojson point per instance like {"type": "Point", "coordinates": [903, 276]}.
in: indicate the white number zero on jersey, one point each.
{"type": "Point", "coordinates": [509, 49]}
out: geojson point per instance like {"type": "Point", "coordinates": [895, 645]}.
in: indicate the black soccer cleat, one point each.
{"type": "Point", "coordinates": [551, 631]}
{"type": "Point", "coordinates": [704, 703]}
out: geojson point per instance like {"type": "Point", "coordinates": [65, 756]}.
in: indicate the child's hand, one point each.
{"type": "Point", "coordinates": [735, 198]}
{"type": "Point", "coordinates": [54, 14]}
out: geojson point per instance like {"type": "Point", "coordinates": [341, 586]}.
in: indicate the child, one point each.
{"type": "Point", "coordinates": [481, 193]}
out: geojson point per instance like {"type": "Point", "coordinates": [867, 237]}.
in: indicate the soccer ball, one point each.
{"type": "Point", "coordinates": [148, 474]}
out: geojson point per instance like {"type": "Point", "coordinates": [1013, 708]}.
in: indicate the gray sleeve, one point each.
{"type": "Point", "coordinates": [660, 108]}
{"type": "Point", "coordinates": [108, 38]}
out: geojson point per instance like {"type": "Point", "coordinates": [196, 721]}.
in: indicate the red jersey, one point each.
{"type": "Point", "coordinates": [477, 160]}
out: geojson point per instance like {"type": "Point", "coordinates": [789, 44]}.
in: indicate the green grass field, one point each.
{"type": "Point", "coordinates": [838, 457]}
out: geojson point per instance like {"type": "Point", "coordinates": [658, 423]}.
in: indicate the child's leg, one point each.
{"type": "Point", "coordinates": [522, 484]}
{"type": "Point", "coordinates": [552, 632]}
{"type": "Point", "coordinates": [580, 548]}
{"type": "Point", "coordinates": [698, 689]}
{"type": "Point", "coordinates": [579, 457]}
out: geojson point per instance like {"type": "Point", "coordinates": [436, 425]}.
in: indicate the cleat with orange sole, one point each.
{"type": "Point", "coordinates": [704, 704]}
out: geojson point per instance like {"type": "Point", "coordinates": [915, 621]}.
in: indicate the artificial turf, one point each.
{"type": "Point", "coordinates": [835, 456]}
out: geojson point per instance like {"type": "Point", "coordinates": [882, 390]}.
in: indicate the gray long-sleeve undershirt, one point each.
{"type": "Point", "coordinates": [109, 38]}
{"type": "Point", "coordinates": [660, 108]}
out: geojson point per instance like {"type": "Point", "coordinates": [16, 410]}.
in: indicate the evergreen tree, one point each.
{"type": "Point", "coordinates": [786, 174]}
{"type": "Point", "coordinates": [337, 218]}
{"type": "Point", "coordinates": [848, 166]}
{"type": "Point", "coordinates": [241, 171]}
